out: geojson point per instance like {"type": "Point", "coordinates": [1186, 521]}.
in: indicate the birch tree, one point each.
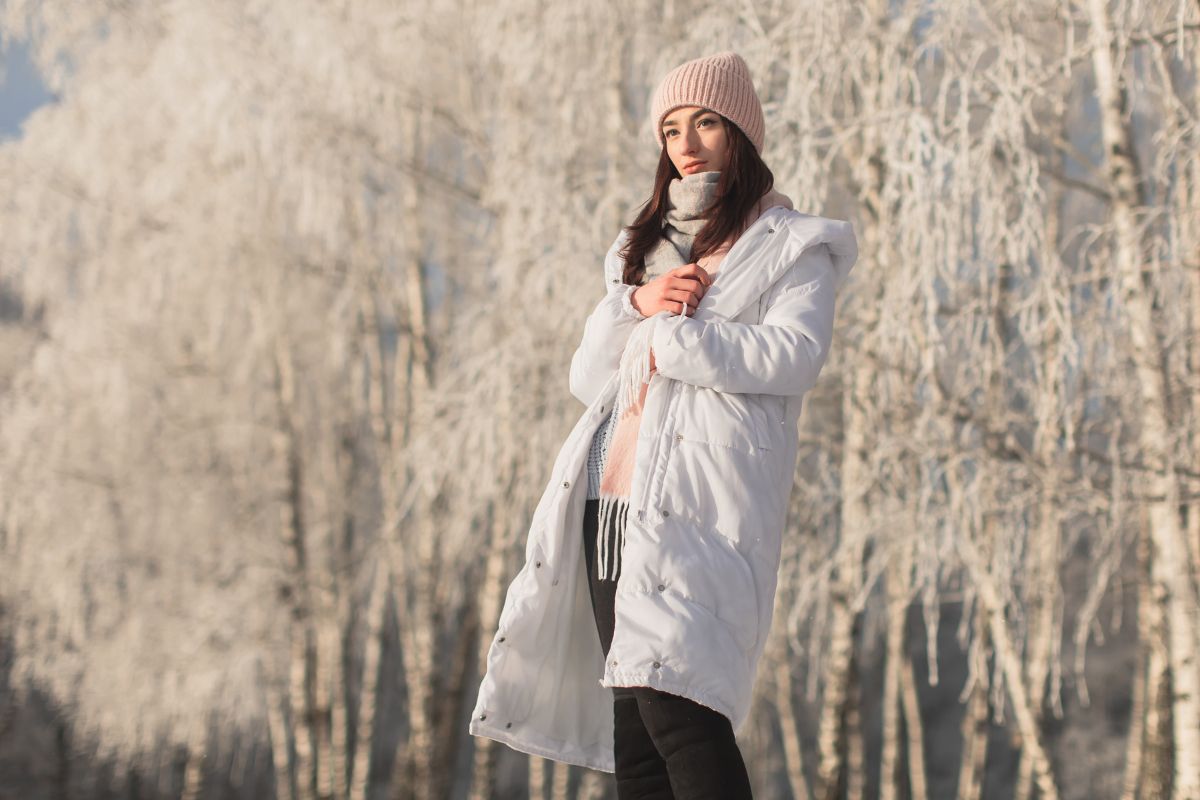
{"type": "Point", "coordinates": [298, 288]}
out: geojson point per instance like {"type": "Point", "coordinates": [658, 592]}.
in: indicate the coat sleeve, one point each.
{"type": "Point", "coordinates": [782, 356]}
{"type": "Point", "coordinates": [606, 330]}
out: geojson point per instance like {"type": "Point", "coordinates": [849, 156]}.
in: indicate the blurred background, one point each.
{"type": "Point", "coordinates": [288, 295]}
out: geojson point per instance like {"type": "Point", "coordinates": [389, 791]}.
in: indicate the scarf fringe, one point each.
{"type": "Point", "coordinates": [635, 365]}
{"type": "Point", "coordinates": [610, 547]}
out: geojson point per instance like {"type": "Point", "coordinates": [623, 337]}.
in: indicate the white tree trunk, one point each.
{"type": "Point", "coordinates": [832, 734]}
{"type": "Point", "coordinates": [976, 717]}
{"type": "Point", "coordinates": [292, 523]}
{"type": "Point", "coordinates": [537, 778]}
{"type": "Point", "coordinates": [196, 755]}
{"type": "Point", "coordinates": [278, 729]}
{"type": "Point", "coordinates": [1137, 718]}
{"type": "Point", "coordinates": [338, 755]}
{"type": "Point", "coordinates": [490, 599]}
{"type": "Point", "coordinates": [559, 781]}
{"type": "Point", "coordinates": [368, 698]}
{"type": "Point", "coordinates": [592, 785]}
{"type": "Point", "coordinates": [326, 676]}
{"type": "Point", "coordinates": [1007, 661]}
{"type": "Point", "coordinates": [785, 702]}
{"type": "Point", "coordinates": [915, 728]}
{"type": "Point", "coordinates": [1171, 552]}
{"type": "Point", "coordinates": [894, 663]}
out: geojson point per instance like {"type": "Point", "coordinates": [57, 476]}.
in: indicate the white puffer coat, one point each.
{"type": "Point", "coordinates": [714, 467]}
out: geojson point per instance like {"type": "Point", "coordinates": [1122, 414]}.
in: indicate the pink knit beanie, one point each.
{"type": "Point", "coordinates": [720, 82]}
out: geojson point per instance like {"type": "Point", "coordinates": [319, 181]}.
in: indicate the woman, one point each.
{"type": "Point", "coordinates": [661, 526]}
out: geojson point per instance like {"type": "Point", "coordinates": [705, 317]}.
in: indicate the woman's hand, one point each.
{"type": "Point", "coordinates": [677, 291]}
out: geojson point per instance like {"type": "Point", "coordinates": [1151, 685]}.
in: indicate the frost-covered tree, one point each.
{"type": "Point", "coordinates": [298, 285]}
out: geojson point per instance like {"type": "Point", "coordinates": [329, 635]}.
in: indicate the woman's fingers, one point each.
{"type": "Point", "coordinates": [694, 271]}
{"type": "Point", "coordinates": [678, 290]}
{"type": "Point", "coordinates": [690, 286]}
{"type": "Point", "coordinates": [687, 297]}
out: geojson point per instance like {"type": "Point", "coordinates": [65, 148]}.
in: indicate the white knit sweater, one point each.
{"type": "Point", "coordinates": [599, 451]}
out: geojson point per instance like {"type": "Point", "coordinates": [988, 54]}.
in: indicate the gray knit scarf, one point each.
{"type": "Point", "coordinates": [688, 198]}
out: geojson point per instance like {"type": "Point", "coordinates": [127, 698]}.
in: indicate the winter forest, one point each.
{"type": "Point", "coordinates": [288, 294]}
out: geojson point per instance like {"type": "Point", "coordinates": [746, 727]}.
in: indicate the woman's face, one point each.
{"type": "Point", "coordinates": [695, 139]}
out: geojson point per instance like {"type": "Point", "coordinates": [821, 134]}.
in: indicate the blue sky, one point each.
{"type": "Point", "coordinates": [21, 89]}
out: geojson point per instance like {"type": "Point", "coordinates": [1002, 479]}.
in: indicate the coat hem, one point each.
{"type": "Point", "coordinates": [542, 746]}
{"type": "Point", "coordinates": [656, 681]}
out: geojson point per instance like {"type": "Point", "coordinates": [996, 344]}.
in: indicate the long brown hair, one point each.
{"type": "Point", "coordinates": [743, 182]}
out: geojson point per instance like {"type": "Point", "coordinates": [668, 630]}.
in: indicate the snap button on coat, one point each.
{"type": "Point", "coordinates": [725, 375]}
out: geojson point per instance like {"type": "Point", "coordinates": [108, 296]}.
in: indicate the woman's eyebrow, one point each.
{"type": "Point", "coordinates": [667, 122]}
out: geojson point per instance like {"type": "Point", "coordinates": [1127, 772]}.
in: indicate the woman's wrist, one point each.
{"type": "Point", "coordinates": [627, 303]}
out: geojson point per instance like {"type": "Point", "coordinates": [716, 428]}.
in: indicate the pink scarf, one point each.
{"type": "Point", "coordinates": [635, 372]}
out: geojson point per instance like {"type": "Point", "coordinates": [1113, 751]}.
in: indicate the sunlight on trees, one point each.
{"type": "Point", "coordinates": [287, 298]}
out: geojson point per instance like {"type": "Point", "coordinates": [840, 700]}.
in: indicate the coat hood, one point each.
{"type": "Point", "coordinates": [836, 234]}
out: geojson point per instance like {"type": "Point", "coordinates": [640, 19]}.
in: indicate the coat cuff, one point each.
{"type": "Point", "coordinates": [627, 302]}
{"type": "Point", "coordinates": [661, 341]}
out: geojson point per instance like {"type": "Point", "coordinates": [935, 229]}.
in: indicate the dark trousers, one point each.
{"type": "Point", "coordinates": [666, 746]}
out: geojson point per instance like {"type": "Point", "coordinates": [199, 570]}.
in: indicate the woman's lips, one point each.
{"type": "Point", "coordinates": [696, 165]}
